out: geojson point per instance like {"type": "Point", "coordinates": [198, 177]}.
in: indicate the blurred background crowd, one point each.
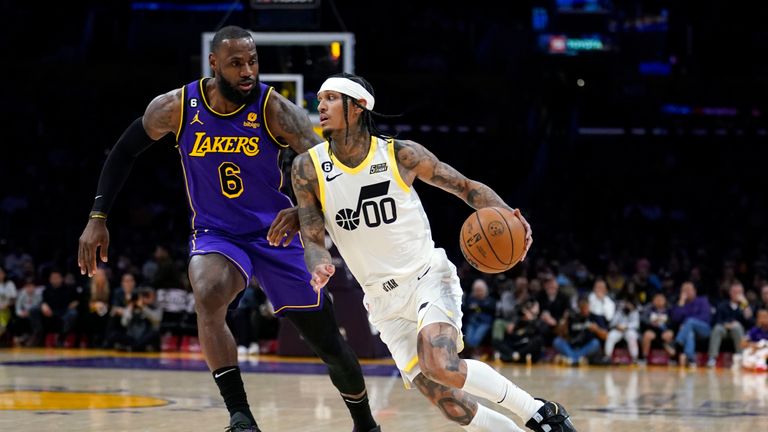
{"type": "Point", "coordinates": [630, 133]}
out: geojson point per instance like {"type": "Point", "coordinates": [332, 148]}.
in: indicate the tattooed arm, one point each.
{"type": "Point", "coordinates": [305, 186]}
{"type": "Point", "coordinates": [290, 124]}
{"type": "Point", "coordinates": [163, 115]}
{"type": "Point", "coordinates": [415, 161]}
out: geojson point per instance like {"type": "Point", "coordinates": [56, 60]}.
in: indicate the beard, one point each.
{"type": "Point", "coordinates": [327, 135]}
{"type": "Point", "coordinates": [235, 95]}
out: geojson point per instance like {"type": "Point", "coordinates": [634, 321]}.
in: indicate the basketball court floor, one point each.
{"type": "Point", "coordinates": [81, 390]}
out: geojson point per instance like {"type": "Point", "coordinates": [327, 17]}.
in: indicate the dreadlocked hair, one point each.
{"type": "Point", "coordinates": [366, 119]}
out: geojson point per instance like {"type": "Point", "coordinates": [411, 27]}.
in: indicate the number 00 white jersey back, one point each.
{"type": "Point", "coordinates": [375, 219]}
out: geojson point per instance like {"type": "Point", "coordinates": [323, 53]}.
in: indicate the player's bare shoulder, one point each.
{"type": "Point", "coordinates": [411, 157]}
{"type": "Point", "coordinates": [163, 114]}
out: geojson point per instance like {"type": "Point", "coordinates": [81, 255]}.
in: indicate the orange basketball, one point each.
{"type": "Point", "coordinates": [492, 239]}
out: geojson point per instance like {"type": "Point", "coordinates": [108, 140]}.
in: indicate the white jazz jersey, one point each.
{"type": "Point", "coordinates": [375, 219]}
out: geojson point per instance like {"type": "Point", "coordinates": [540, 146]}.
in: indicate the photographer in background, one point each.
{"type": "Point", "coordinates": [141, 320]}
{"type": "Point", "coordinates": [523, 337]}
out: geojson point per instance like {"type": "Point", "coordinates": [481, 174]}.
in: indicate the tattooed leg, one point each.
{"type": "Point", "coordinates": [438, 355]}
{"type": "Point", "coordinates": [455, 404]}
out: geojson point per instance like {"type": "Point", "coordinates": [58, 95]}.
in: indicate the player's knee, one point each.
{"type": "Point", "coordinates": [436, 368]}
{"type": "Point", "coordinates": [649, 335]}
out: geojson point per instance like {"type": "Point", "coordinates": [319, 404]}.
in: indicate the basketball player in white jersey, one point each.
{"type": "Point", "coordinates": [358, 186]}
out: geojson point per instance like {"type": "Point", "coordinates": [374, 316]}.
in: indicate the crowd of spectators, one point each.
{"type": "Point", "coordinates": [540, 310]}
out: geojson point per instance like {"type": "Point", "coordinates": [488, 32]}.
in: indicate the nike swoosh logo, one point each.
{"type": "Point", "coordinates": [425, 273]}
{"type": "Point", "coordinates": [98, 196]}
{"type": "Point", "coordinates": [220, 374]}
{"type": "Point", "coordinates": [329, 178]}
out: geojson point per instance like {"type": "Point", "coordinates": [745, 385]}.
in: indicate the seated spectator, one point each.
{"type": "Point", "coordinates": [599, 301]}
{"type": "Point", "coordinates": [29, 300]}
{"type": "Point", "coordinates": [122, 297]}
{"type": "Point", "coordinates": [643, 283]}
{"type": "Point", "coordinates": [522, 338]}
{"type": "Point", "coordinates": [141, 319]}
{"type": "Point", "coordinates": [656, 325]}
{"type": "Point", "coordinates": [553, 304]}
{"type": "Point", "coordinates": [7, 299]}
{"type": "Point", "coordinates": [693, 314]}
{"type": "Point", "coordinates": [57, 312]}
{"type": "Point", "coordinates": [762, 302]}
{"type": "Point", "coordinates": [755, 346]}
{"type": "Point", "coordinates": [581, 334]}
{"type": "Point", "coordinates": [508, 307]}
{"type": "Point", "coordinates": [582, 278]}
{"type": "Point", "coordinates": [480, 308]}
{"type": "Point", "coordinates": [615, 279]}
{"type": "Point", "coordinates": [625, 325]}
{"type": "Point", "coordinates": [732, 317]}
{"type": "Point", "coordinates": [178, 306]}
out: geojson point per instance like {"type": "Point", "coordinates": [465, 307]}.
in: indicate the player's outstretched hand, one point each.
{"type": "Point", "coordinates": [320, 275]}
{"type": "Point", "coordinates": [528, 233]}
{"type": "Point", "coordinates": [95, 235]}
{"type": "Point", "coordinates": [284, 227]}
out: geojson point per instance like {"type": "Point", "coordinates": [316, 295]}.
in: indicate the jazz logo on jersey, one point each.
{"type": "Point", "coordinates": [224, 144]}
{"type": "Point", "coordinates": [196, 118]}
{"type": "Point", "coordinates": [251, 121]}
{"type": "Point", "coordinates": [378, 168]}
{"type": "Point", "coordinates": [374, 212]}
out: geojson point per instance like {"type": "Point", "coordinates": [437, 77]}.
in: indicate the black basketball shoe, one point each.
{"type": "Point", "coordinates": [239, 422]}
{"type": "Point", "coordinates": [552, 417]}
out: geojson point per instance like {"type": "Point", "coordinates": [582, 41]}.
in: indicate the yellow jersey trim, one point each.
{"type": "Point", "coordinates": [205, 102]}
{"type": "Point", "coordinates": [277, 161]}
{"type": "Point", "coordinates": [363, 164]}
{"type": "Point", "coordinates": [266, 124]}
{"type": "Point", "coordinates": [320, 184]}
{"type": "Point", "coordinates": [395, 169]}
{"type": "Point", "coordinates": [303, 306]}
{"type": "Point", "coordinates": [181, 115]}
{"type": "Point", "coordinates": [189, 198]}
{"type": "Point", "coordinates": [411, 364]}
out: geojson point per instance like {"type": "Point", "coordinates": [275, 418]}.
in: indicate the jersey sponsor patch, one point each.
{"type": "Point", "coordinates": [378, 168]}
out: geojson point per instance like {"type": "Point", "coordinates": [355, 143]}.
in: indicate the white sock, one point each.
{"type": "Point", "coordinates": [484, 381]}
{"type": "Point", "coordinates": [488, 420]}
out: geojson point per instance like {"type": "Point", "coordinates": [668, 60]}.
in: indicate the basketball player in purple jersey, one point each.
{"type": "Point", "coordinates": [230, 130]}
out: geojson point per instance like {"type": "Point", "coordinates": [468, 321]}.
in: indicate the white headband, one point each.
{"type": "Point", "coordinates": [350, 88]}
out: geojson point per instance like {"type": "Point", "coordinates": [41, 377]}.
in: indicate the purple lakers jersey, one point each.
{"type": "Point", "coordinates": [231, 164]}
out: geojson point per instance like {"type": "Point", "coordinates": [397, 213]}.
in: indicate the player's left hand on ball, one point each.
{"type": "Point", "coordinates": [284, 227]}
{"type": "Point", "coordinates": [320, 275]}
{"type": "Point", "coordinates": [528, 233]}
